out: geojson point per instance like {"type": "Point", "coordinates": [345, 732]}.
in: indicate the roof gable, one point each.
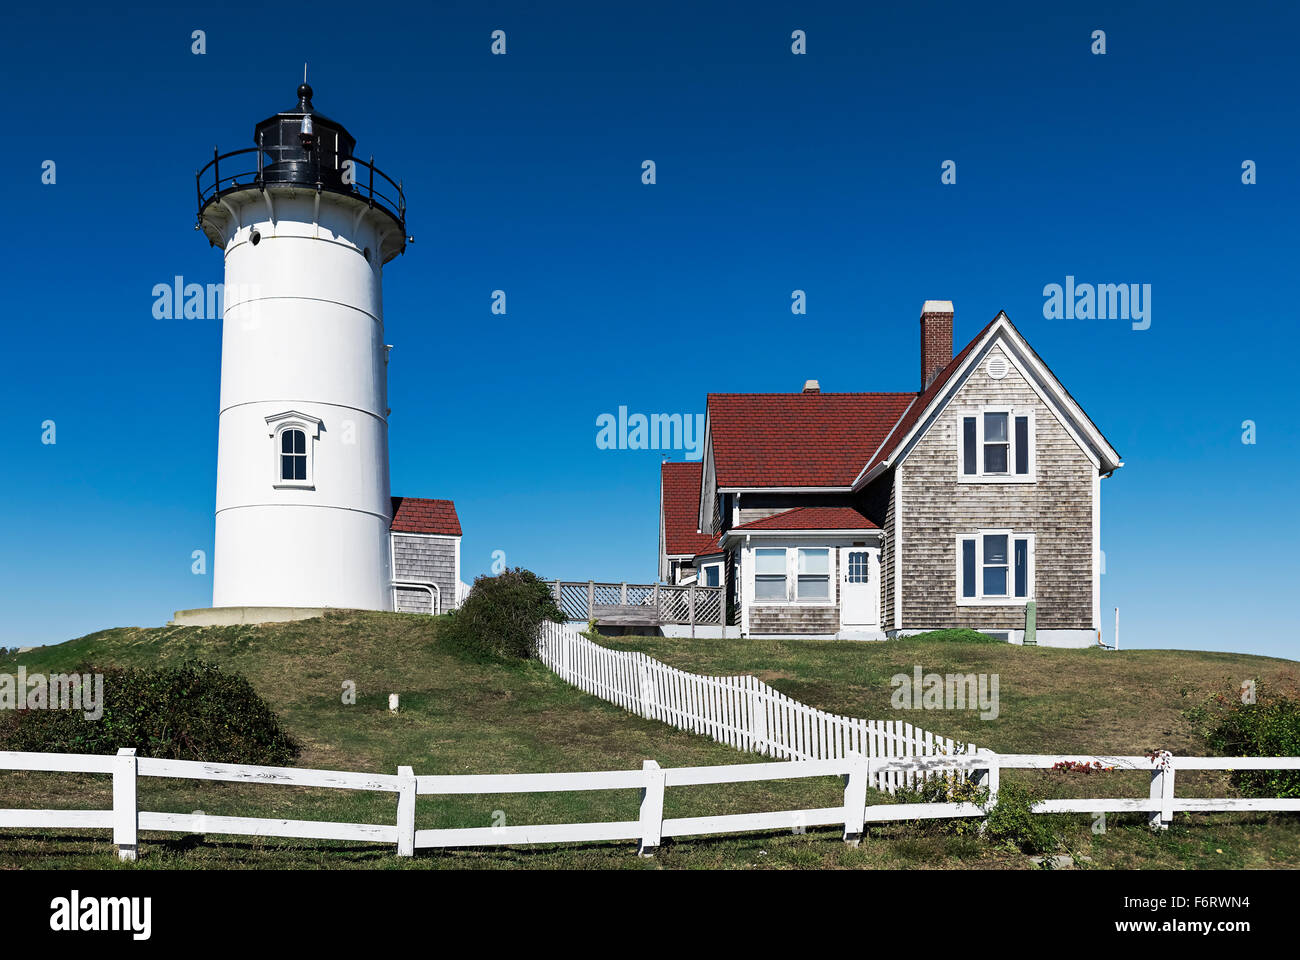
{"type": "Point", "coordinates": [680, 500]}
{"type": "Point", "coordinates": [946, 385]}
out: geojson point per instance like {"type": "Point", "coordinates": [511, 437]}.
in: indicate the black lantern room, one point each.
{"type": "Point", "coordinates": [303, 148]}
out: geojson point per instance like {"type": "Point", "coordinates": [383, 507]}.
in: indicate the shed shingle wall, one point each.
{"type": "Point", "coordinates": [425, 559]}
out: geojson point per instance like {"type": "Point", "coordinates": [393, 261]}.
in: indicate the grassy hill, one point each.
{"type": "Point", "coordinates": [460, 716]}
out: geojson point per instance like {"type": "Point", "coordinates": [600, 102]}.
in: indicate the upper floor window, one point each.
{"type": "Point", "coordinates": [997, 443]}
{"type": "Point", "coordinates": [293, 437]}
{"type": "Point", "coordinates": [712, 575]}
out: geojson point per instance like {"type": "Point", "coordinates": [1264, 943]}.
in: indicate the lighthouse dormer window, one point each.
{"type": "Point", "coordinates": [293, 438]}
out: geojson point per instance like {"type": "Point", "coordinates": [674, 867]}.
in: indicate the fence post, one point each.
{"type": "Point", "coordinates": [622, 594]}
{"type": "Point", "coordinates": [690, 602]}
{"type": "Point", "coordinates": [125, 809]}
{"type": "Point", "coordinates": [855, 798]}
{"type": "Point", "coordinates": [658, 615]}
{"type": "Point", "coordinates": [652, 809]}
{"type": "Point", "coordinates": [406, 812]}
{"type": "Point", "coordinates": [591, 599]}
{"type": "Point", "coordinates": [1162, 789]}
{"type": "Point", "coordinates": [988, 777]}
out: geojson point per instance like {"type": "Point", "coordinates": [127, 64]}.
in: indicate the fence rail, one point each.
{"type": "Point", "coordinates": [857, 771]}
{"type": "Point", "coordinates": [645, 604]}
{"type": "Point", "coordinates": [742, 712]}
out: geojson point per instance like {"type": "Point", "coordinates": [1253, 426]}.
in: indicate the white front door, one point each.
{"type": "Point", "coordinates": [859, 592]}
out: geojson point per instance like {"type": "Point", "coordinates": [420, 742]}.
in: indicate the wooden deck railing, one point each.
{"type": "Point", "coordinates": [640, 604]}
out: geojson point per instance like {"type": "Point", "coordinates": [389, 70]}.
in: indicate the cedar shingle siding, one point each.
{"type": "Point", "coordinates": [424, 559]}
{"type": "Point", "coordinates": [936, 509]}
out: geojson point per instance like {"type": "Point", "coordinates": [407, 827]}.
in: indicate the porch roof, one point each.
{"type": "Point", "coordinates": [811, 518]}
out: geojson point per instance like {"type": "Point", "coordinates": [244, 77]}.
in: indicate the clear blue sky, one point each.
{"type": "Point", "coordinates": [775, 172]}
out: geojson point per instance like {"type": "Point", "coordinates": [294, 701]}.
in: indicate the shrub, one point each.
{"type": "Point", "coordinates": [1269, 727]}
{"type": "Point", "coordinates": [1011, 822]}
{"type": "Point", "coordinates": [193, 711]}
{"type": "Point", "coordinates": [945, 788]}
{"type": "Point", "coordinates": [962, 635]}
{"type": "Point", "coordinates": [501, 616]}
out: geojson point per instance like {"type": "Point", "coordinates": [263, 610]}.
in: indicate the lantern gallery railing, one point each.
{"type": "Point", "coordinates": [253, 169]}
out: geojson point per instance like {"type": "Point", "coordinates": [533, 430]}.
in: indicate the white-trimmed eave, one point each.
{"type": "Point", "coordinates": [707, 473]}
{"type": "Point", "coordinates": [1103, 455]}
{"type": "Point", "coordinates": [741, 533]}
{"type": "Point", "coordinates": [863, 478]}
{"type": "Point", "coordinates": [785, 489]}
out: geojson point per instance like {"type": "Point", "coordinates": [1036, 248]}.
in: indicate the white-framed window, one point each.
{"type": "Point", "coordinates": [711, 575]}
{"type": "Point", "coordinates": [293, 440]}
{"type": "Point", "coordinates": [293, 455]}
{"type": "Point", "coordinates": [995, 444]}
{"type": "Point", "coordinates": [995, 567]}
{"type": "Point", "coordinates": [770, 574]}
{"type": "Point", "coordinates": [814, 581]}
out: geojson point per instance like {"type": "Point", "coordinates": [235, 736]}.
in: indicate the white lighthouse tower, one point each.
{"type": "Point", "coordinates": [303, 505]}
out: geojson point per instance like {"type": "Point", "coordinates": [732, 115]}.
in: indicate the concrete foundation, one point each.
{"type": "Point", "coordinates": [231, 616]}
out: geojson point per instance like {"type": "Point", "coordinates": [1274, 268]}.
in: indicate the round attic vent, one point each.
{"type": "Point", "coordinates": [997, 367]}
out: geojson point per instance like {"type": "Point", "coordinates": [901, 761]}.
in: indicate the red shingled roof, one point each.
{"type": "Point", "coordinates": [681, 502]}
{"type": "Point", "coordinates": [923, 400]}
{"type": "Point", "coordinates": [798, 439]}
{"type": "Point", "coordinates": [714, 548]}
{"type": "Point", "coordinates": [417, 515]}
{"type": "Point", "coordinates": [812, 518]}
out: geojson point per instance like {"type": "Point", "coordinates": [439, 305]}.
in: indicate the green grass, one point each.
{"type": "Point", "coordinates": [460, 716]}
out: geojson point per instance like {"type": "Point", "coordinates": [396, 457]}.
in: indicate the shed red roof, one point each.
{"type": "Point", "coordinates": [812, 518]}
{"type": "Point", "coordinates": [798, 439]}
{"type": "Point", "coordinates": [681, 505]}
{"type": "Point", "coordinates": [417, 515]}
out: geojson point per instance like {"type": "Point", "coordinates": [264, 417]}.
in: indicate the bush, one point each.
{"type": "Point", "coordinates": [945, 788]}
{"type": "Point", "coordinates": [190, 712]}
{"type": "Point", "coordinates": [955, 636]}
{"type": "Point", "coordinates": [1269, 727]}
{"type": "Point", "coordinates": [501, 616]}
{"type": "Point", "coordinates": [1012, 823]}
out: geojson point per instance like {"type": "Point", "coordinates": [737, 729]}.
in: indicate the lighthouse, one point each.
{"type": "Point", "coordinates": [304, 512]}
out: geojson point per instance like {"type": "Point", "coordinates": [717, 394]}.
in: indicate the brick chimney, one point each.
{"type": "Point", "coordinates": [936, 339]}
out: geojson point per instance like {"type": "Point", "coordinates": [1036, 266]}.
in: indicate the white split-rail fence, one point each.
{"type": "Point", "coordinates": [741, 712]}
{"type": "Point", "coordinates": [126, 820]}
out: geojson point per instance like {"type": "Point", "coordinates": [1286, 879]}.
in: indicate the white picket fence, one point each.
{"type": "Point", "coordinates": [126, 820]}
{"type": "Point", "coordinates": [742, 712]}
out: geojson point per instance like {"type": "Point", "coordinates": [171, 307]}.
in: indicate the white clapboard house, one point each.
{"type": "Point", "coordinates": [879, 514]}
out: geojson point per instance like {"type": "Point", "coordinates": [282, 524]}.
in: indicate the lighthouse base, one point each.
{"type": "Point", "coordinates": [234, 616]}
{"type": "Point", "coordinates": [300, 555]}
